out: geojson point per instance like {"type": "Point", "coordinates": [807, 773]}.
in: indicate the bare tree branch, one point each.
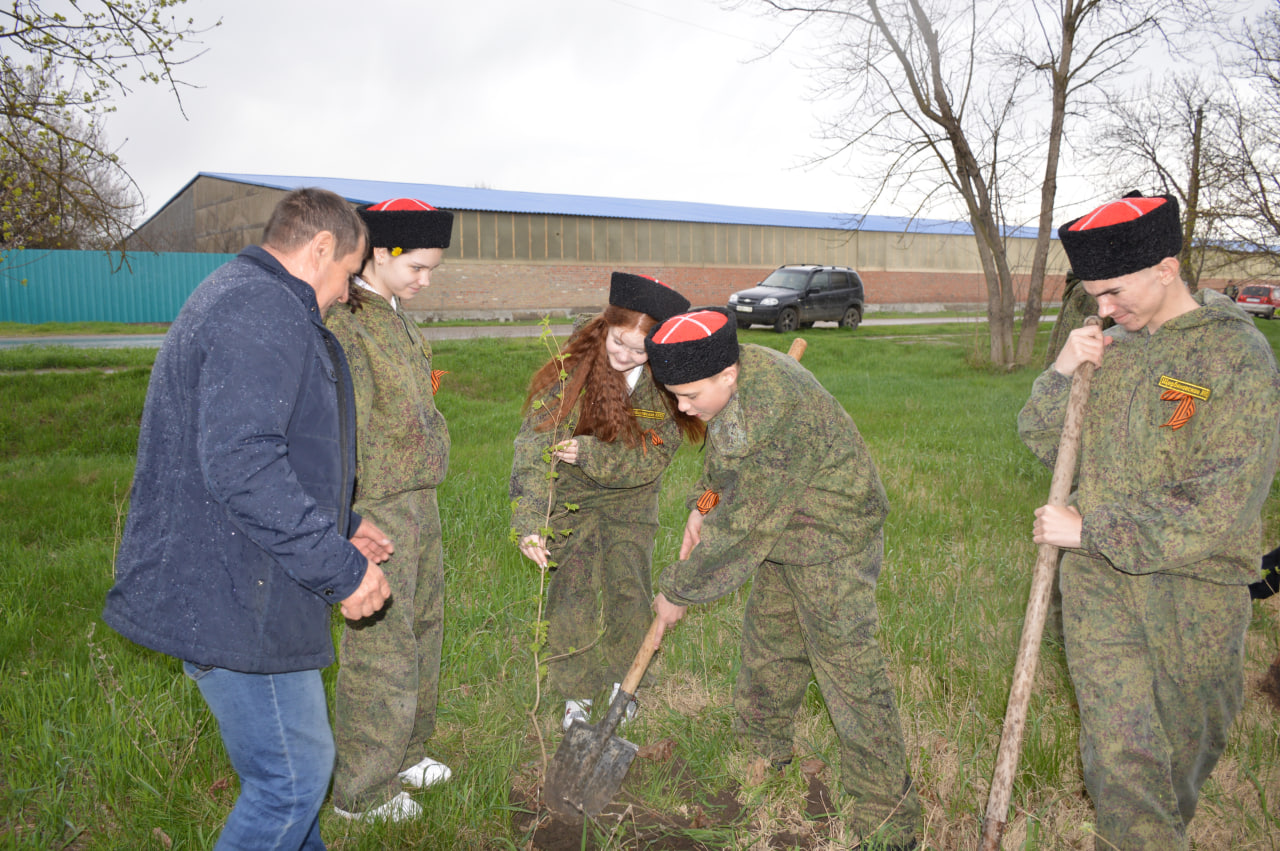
{"type": "Point", "coordinates": [61, 67]}
{"type": "Point", "coordinates": [956, 100]}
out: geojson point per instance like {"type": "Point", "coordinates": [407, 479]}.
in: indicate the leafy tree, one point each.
{"type": "Point", "coordinates": [61, 66]}
{"type": "Point", "coordinates": [60, 187]}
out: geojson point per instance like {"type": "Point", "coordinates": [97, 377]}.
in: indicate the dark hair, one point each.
{"type": "Point", "coordinates": [356, 295]}
{"type": "Point", "coordinates": [303, 213]}
{"type": "Point", "coordinates": [356, 298]}
{"type": "Point", "coordinates": [598, 390]}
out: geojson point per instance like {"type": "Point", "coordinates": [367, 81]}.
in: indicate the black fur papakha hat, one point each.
{"type": "Point", "coordinates": [406, 223]}
{"type": "Point", "coordinates": [1123, 236]}
{"type": "Point", "coordinates": [645, 295]}
{"type": "Point", "coordinates": [692, 346]}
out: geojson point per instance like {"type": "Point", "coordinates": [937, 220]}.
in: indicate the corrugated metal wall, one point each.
{"type": "Point", "coordinates": [86, 286]}
{"type": "Point", "coordinates": [538, 238]}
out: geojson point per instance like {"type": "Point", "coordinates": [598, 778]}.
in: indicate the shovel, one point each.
{"type": "Point", "coordinates": [591, 762]}
{"type": "Point", "coordinates": [1024, 670]}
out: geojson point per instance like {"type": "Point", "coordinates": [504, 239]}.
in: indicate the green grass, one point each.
{"type": "Point", "coordinates": [43, 329]}
{"type": "Point", "coordinates": [104, 745]}
{"type": "Point", "coordinates": [26, 358]}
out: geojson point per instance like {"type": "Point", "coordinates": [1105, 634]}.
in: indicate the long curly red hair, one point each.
{"type": "Point", "coordinates": [598, 390]}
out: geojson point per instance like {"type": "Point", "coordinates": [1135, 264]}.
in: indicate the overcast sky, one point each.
{"type": "Point", "coordinates": [656, 99]}
{"type": "Point", "coordinates": [661, 99]}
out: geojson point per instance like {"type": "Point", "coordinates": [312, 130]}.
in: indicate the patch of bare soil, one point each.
{"type": "Point", "coordinates": [1271, 683]}
{"type": "Point", "coordinates": [630, 822]}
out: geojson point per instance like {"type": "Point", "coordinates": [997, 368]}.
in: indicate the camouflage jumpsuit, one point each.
{"type": "Point", "coordinates": [1155, 600]}
{"type": "Point", "coordinates": [800, 513]}
{"type": "Point", "coordinates": [385, 701]}
{"type": "Point", "coordinates": [598, 603]}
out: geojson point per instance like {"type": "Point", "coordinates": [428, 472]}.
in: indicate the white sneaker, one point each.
{"type": "Point", "coordinates": [575, 710]}
{"type": "Point", "coordinates": [399, 808]}
{"type": "Point", "coordinates": [632, 707]}
{"type": "Point", "coordinates": [429, 772]}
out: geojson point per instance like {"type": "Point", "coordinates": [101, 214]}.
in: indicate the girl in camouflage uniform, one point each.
{"type": "Point", "coordinates": [385, 704]}
{"type": "Point", "coordinates": [609, 425]}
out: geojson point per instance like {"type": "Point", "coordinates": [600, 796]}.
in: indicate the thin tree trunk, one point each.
{"type": "Point", "coordinates": [1191, 269]}
{"type": "Point", "coordinates": [1048, 195]}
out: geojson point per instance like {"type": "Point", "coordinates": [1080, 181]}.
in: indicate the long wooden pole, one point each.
{"type": "Point", "coordinates": [1024, 670]}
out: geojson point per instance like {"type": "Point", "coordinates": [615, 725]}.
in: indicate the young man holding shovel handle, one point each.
{"type": "Point", "coordinates": [1178, 449]}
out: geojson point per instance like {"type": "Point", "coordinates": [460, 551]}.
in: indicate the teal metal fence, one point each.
{"type": "Point", "coordinates": [91, 286]}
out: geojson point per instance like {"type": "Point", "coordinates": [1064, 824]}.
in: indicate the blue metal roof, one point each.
{"type": "Point", "coordinates": [505, 201]}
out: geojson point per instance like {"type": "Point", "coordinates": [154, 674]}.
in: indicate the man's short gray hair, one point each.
{"type": "Point", "coordinates": [303, 213]}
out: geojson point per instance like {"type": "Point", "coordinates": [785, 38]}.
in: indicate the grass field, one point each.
{"type": "Point", "coordinates": [105, 745]}
{"type": "Point", "coordinates": [47, 329]}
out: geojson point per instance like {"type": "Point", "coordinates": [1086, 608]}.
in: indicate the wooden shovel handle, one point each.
{"type": "Point", "coordinates": [632, 680]}
{"type": "Point", "coordinates": [798, 345]}
{"type": "Point", "coordinates": [1024, 669]}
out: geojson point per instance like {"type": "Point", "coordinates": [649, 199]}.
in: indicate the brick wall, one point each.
{"type": "Point", "coordinates": [468, 290]}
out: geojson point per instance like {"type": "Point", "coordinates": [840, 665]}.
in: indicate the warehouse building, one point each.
{"type": "Point", "coordinates": [518, 255]}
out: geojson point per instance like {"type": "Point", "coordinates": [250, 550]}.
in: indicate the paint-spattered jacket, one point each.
{"type": "Point", "coordinates": [236, 545]}
{"type": "Point", "coordinates": [1155, 498]}
{"type": "Point", "coordinates": [404, 440]}
{"type": "Point", "coordinates": [795, 482]}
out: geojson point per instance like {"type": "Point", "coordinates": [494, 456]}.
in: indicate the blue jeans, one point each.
{"type": "Point", "coordinates": [276, 730]}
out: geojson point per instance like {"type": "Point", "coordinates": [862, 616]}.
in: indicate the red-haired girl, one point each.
{"type": "Point", "coordinates": [613, 433]}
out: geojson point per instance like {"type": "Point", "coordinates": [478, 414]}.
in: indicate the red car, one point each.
{"type": "Point", "coordinates": [1260, 300]}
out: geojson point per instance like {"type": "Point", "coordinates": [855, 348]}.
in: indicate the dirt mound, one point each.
{"type": "Point", "coordinates": [701, 817]}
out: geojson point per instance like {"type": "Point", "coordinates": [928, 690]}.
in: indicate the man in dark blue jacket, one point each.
{"type": "Point", "coordinates": [240, 535]}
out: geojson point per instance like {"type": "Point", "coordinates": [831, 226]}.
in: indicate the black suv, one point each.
{"type": "Point", "coordinates": [797, 296]}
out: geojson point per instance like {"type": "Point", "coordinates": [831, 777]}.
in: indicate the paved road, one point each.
{"type": "Point", "coordinates": [447, 332]}
{"type": "Point", "coordinates": [83, 341]}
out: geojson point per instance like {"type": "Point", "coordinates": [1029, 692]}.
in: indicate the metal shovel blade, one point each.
{"type": "Point", "coordinates": [592, 762]}
{"type": "Point", "coordinates": [589, 766]}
